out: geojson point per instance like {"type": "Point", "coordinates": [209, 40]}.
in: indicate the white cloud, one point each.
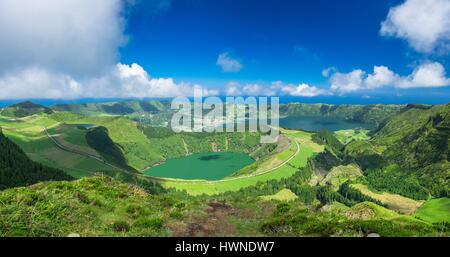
{"type": "Point", "coordinates": [227, 63]}
{"type": "Point", "coordinates": [347, 82]}
{"type": "Point", "coordinates": [120, 81]}
{"type": "Point", "coordinates": [133, 81]}
{"type": "Point", "coordinates": [257, 90]}
{"type": "Point", "coordinates": [35, 82]}
{"type": "Point", "coordinates": [250, 89]}
{"type": "Point", "coordinates": [425, 24]}
{"type": "Point", "coordinates": [426, 75]}
{"type": "Point", "coordinates": [233, 89]}
{"type": "Point", "coordinates": [69, 49]}
{"type": "Point", "coordinates": [77, 37]}
{"type": "Point", "coordinates": [276, 88]}
{"type": "Point", "coordinates": [303, 90]}
{"type": "Point", "coordinates": [326, 72]}
{"type": "Point", "coordinates": [381, 76]}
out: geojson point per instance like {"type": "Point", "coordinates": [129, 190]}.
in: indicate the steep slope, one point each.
{"type": "Point", "coordinates": [101, 206]}
{"type": "Point", "coordinates": [374, 114]}
{"type": "Point", "coordinates": [421, 144]}
{"type": "Point", "coordinates": [16, 169]}
{"type": "Point", "coordinates": [25, 109]}
{"type": "Point", "coordinates": [410, 150]}
{"type": "Point", "coordinates": [114, 108]}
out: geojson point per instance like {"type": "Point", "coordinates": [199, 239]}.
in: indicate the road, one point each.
{"type": "Point", "coordinates": [64, 148]}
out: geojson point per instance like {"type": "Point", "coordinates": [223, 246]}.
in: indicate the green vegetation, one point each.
{"type": "Point", "coordinates": [340, 174]}
{"type": "Point", "coordinates": [392, 181]}
{"type": "Point", "coordinates": [392, 201]}
{"type": "Point", "coordinates": [293, 159]}
{"type": "Point", "coordinates": [90, 207]}
{"type": "Point", "coordinates": [435, 210]}
{"type": "Point", "coordinates": [16, 169]}
{"type": "Point", "coordinates": [283, 195]}
{"type": "Point", "coordinates": [349, 135]}
{"type": "Point", "coordinates": [101, 206]}
{"type": "Point", "coordinates": [98, 139]}
{"type": "Point", "coordinates": [293, 219]}
{"type": "Point", "coordinates": [374, 114]}
{"type": "Point", "coordinates": [25, 109]}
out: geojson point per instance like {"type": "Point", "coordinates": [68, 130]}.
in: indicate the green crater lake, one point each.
{"type": "Point", "coordinates": [208, 166]}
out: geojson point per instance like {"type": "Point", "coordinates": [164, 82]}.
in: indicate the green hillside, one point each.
{"type": "Point", "coordinates": [372, 114]}
{"type": "Point", "coordinates": [16, 169]}
{"type": "Point", "coordinates": [115, 108]}
{"type": "Point", "coordinates": [25, 109]}
{"type": "Point", "coordinates": [392, 181]}
{"type": "Point", "coordinates": [101, 206]}
{"type": "Point", "coordinates": [409, 154]}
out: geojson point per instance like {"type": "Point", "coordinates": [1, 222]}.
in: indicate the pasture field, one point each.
{"type": "Point", "coordinates": [393, 201]}
{"type": "Point", "coordinates": [348, 135]}
{"type": "Point", "coordinates": [283, 195]}
{"type": "Point", "coordinates": [435, 210]}
{"type": "Point", "coordinates": [29, 134]}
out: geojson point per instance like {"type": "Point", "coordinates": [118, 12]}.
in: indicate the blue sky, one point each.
{"type": "Point", "coordinates": [289, 41]}
{"type": "Point", "coordinates": [314, 51]}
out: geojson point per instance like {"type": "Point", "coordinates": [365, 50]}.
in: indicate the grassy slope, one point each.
{"type": "Point", "coordinates": [29, 135]}
{"type": "Point", "coordinates": [340, 174]}
{"type": "Point", "coordinates": [395, 202]}
{"type": "Point", "coordinates": [307, 149]}
{"type": "Point", "coordinates": [101, 206]}
{"type": "Point", "coordinates": [374, 114]}
{"type": "Point", "coordinates": [435, 210]}
{"type": "Point", "coordinates": [283, 195]}
{"type": "Point", "coordinates": [90, 207]}
{"type": "Point", "coordinates": [348, 135]}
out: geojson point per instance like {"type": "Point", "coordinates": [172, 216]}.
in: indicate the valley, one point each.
{"type": "Point", "coordinates": [374, 168]}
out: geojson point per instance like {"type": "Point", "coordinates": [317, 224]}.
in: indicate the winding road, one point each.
{"type": "Point", "coordinates": [64, 148]}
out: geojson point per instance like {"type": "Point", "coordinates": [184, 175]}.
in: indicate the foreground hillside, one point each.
{"type": "Point", "coordinates": [101, 206]}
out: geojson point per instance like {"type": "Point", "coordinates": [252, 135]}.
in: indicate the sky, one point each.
{"type": "Point", "coordinates": [352, 51]}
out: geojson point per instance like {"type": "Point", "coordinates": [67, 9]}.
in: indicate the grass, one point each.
{"type": "Point", "coordinates": [97, 206]}
{"type": "Point", "coordinates": [369, 210]}
{"type": "Point", "coordinates": [28, 133]}
{"type": "Point", "coordinates": [72, 137]}
{"type": "Point", "coordinates": [348, 135]}
{"type": "Point", "coordinates": [435, 210]}
{"type": "Point", "coordinates": [340, 174]}
{"type": "Point", "coordinates": [283, 195]}
{"type": "Point", "coordinates": [394, 202]}
{"type": "Point", "coordinates": [43, 150]}
{"type": "Point", "coordinates": [307, 150]}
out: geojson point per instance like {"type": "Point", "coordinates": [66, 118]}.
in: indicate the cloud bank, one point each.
{"type": "Point", "coordinates": [77, 37]}
{"type": "Point", "coordinates": [70, 49]}
{"type": "Point", "coordinates": [424, 24]}
{"type": "Point", "coordinates": [426, 75]}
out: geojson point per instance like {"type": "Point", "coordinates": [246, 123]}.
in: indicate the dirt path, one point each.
{"type": "Point", "coordinates": [186, 149]}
